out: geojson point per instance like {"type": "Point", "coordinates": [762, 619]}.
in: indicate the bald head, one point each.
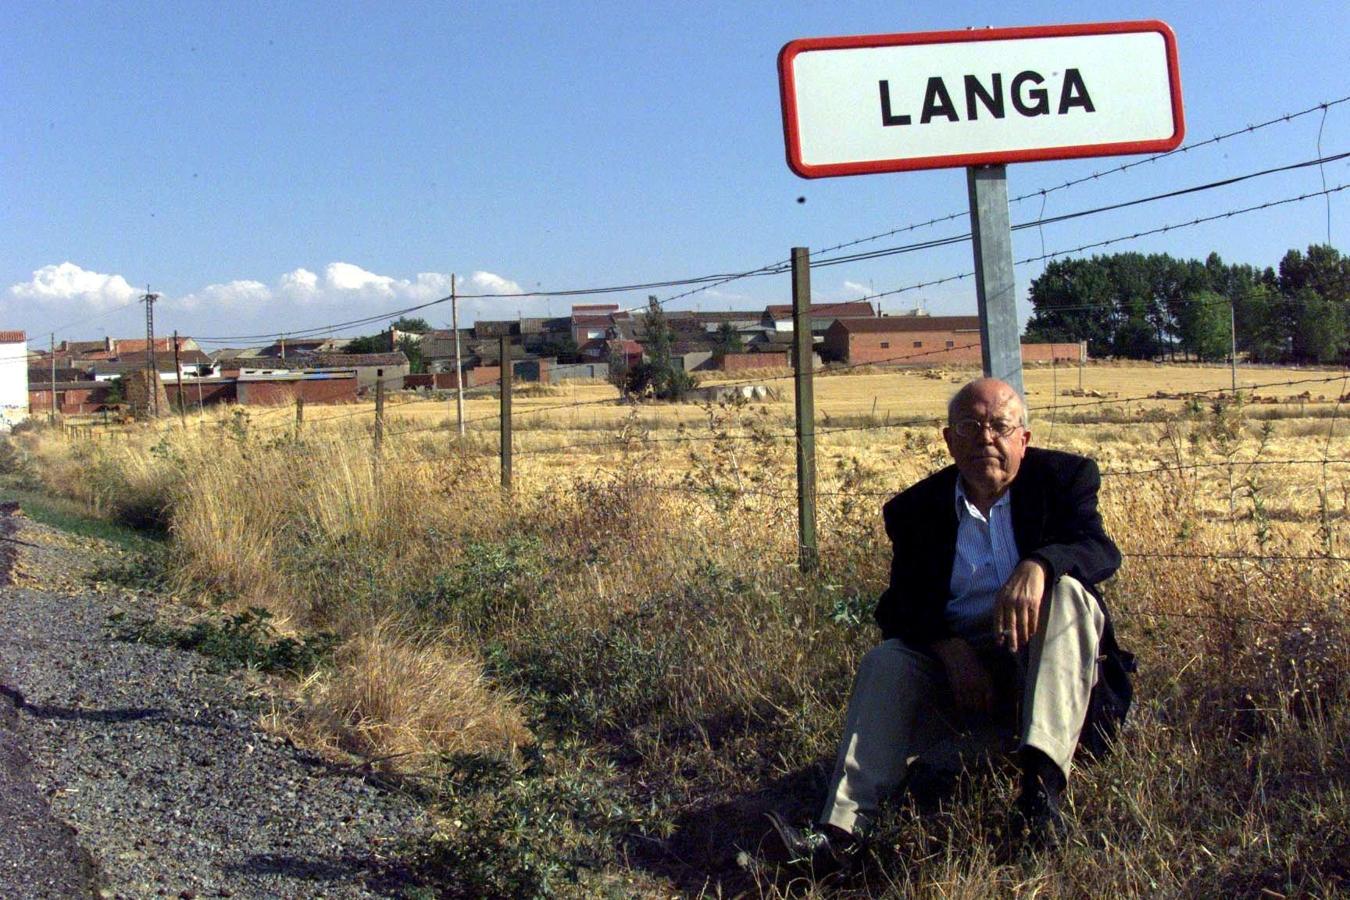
{"type": "Point", "coordinates": [986, 435]}
{"type": "Point", "coordinates": [993, 393]}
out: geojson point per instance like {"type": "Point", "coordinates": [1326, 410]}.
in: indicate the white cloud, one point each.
{"type": "Point", "coordinates": [854, 287]}
{"type": "Point", "coordinates": [248, 305]}
{"type": "Point", "coordinates": [67, 283]}
{"type": "Point", "coordinates": [491, 283]}
{"type": "Point", "coordinates": [232, 295]}
{"type": "Point", "coordinates": [343, 276]}
{"type": "Point", "coordinates": [299, 281]}
{"type": "Point", "coordinates": [426, 287]}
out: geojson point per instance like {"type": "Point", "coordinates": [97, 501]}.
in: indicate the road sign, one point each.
{"type": "Point", "coordinates": [896, 102]}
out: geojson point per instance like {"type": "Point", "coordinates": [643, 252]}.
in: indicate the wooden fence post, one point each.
{"type": "Point", "coordinates": [802, 350]}
{"type": "Point", "coordinates": [379, 411]}
{"type": "Point", "coordinates": [505, 384]}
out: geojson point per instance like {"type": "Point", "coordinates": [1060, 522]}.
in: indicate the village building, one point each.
{"type": "Point", "coordinates": [923, 341]}
{"type": "Point", "coordinates": [14, 404]}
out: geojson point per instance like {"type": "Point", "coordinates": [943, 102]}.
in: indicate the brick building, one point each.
{"type": "Point", "coordinates": [273, 390]}
{"type": "Point", "coordinates": [921, 341]}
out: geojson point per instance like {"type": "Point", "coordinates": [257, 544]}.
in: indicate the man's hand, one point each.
{"type": "Point", "coordinates": [971, 686]}
{"type": "Point", "coordinates": [1017, 608]}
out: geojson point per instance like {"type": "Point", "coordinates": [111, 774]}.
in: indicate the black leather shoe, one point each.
{"type": "Point", "coordinates": [1035, 822]}
{"type": "Point", "coordinates": [823, 849]}
{"type": "Point", "coordinates": [930, 787]}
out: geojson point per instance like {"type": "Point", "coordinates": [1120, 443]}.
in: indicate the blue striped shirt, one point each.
{"type": "Point", "coordinates": [986, 554]}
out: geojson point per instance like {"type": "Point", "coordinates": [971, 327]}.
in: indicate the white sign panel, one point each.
{"type": "Point", "coordinates": [886, 103]}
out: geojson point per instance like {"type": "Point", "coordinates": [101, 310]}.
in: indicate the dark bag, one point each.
{"type": "Point", "coordinates": [1110, 699]}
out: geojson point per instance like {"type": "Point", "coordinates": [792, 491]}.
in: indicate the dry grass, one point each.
{"type": "Point", "coordinates": [403, 704]}
{"type": "Point", "coordinates": [638, 602]}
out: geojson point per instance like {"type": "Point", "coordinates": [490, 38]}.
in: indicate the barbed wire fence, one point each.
{"type": "Point", "coordinates": [806, 495]}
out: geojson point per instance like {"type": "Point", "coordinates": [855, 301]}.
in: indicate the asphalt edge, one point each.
{"type": "Point", "coordinates": [30, 810]}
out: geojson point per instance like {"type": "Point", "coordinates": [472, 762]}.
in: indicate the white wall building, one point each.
{"type": "Point", "coordinates": [13, 379]}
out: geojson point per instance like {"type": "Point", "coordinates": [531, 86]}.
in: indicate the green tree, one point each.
{"type": "Point", "coordinates": [1322, 269]}
{"type": "Point", "coordinates": [1263, 333]}
{"type": "Point", "coordinates": [413, 350]}
{"type": "Point", "coordinates": [562, 346]}
{"type": "Point", "coordinates": [727, 340]}
{"type": "Point", "coordinates": [1204, 325]}
{"type": "Point", "coordinates": [1072, 301]}
{"type": "Point", "coordinates": [117, 391]}
{"type": "Point", "coordinates": [415, 325]}
{"type": "Point", "coordinates": [657, 374]}
{"type": "Point", "coordinates": [1316, 288]}
{"type": "Point", "coordinates": [1319, 328]}
{"type": "Point", "coordinates": [367, 343]}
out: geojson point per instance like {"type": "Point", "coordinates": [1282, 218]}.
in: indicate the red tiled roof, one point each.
{"type": "Point", "coordinates": [13, 337]}
{"type": "Point", "coordinates": [903, 324]}
{"type": "Point", "coordinates": [347, 360]}
{"type": "Point", "coordinates": [853, 309]}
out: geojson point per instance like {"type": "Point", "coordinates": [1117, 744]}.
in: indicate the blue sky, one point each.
{"type": "Point", "coordinates": [270, 167]}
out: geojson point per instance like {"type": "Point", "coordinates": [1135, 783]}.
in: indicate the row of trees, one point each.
{"type": "Point", "coordinates": [1146, 306]}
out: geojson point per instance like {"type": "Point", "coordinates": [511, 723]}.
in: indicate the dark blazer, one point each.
{"type": "Point", "coordinates": [1054, 518]}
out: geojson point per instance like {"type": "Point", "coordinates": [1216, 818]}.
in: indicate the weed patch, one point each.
{"type": "Point", "coordinates": [493, 581]}
{"type": "Point", "coordinates": [533, 826]}
{"type": "Point", "coordinates": [242, 640]}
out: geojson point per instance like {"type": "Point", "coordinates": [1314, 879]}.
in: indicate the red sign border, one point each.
{"type": "Point", "coordinates": [792, 134]}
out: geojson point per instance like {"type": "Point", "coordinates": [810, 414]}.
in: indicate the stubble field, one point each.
{"type": "Point", "coordinates": [604, 679]}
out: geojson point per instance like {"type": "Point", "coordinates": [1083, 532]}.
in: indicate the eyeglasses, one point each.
{"type": "Point", "coordinates": [972, 428]}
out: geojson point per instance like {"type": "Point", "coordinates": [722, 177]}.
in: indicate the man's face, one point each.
{"type": "Point", "coordinates": [988, 460]}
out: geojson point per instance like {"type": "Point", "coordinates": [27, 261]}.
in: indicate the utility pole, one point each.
{"type": "Point", "coordinates": [459, 364]}
{"type": "Point", "coordinates": [1232, 343]}
{"type": "Point", "coordinates": [807, 553]}
{"type": "Point", "coordinates": [52, 418]}
{"type": "Point", "coordinates": [151, 370]}
{"type": "Point", "coordinates": [178, 371]}
{"type": "Point", "coordinates": [505, 384]}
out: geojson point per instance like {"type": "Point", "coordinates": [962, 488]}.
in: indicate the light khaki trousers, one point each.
{"type": "Point", "coordinates": [901, 707]}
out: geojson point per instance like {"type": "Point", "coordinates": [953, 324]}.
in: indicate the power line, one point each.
{"type": "Point", "coordinates": [1116, 240]}
{"type": "Point", "coordinates": [949, 217]}
{"type": "Point", "coordinates": [1065, 217]}
{"type": "Point", "coordinates": [706, 282]}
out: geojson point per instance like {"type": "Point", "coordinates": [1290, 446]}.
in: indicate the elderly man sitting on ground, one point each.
{"type": "Point", "coordinates": [992, 617]}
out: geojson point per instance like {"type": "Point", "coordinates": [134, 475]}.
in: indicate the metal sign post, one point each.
{"type": "Point", "coordinates": [995, 283]}
{"type": "Point", "coordinates": [980, 100]}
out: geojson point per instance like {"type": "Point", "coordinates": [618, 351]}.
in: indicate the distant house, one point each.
{"type": "Point", "coordinates": [823, 315]}
{"type": "Point", "coordinates": [72, 397]}
{"type": "Point", "coordinates": [918, 340]}
{"type": "Point", "coordinates": [117, 348]}
{"type": "Point", "coordinates": [922, 341]}
{"type": "Point", "coordinates": [194, 363]}
{"type": "Point", "coordinates": [13, 378]}
{"type": "Point", "coordinates": [369, 367]}
{"type": "Point", "coordinates": [284, 349]}
{"type": "Point", "coordinates": [285, 388]}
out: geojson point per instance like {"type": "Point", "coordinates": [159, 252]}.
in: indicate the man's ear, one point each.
{"type": "Point", "coordinates": [1026, 437]}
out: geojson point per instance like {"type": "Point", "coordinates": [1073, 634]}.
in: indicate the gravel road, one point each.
{"type": "Point", "coordinates": [134, 771]}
